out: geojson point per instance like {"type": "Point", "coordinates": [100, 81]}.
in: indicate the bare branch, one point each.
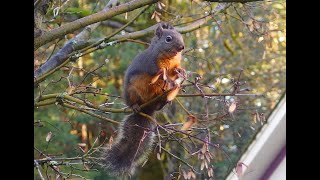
{"type": "Point", "coordinates": [79, 42]}
{"type": "Point", "coordinates": [184, 162]}
{"type": "Point", "coordinates": [90, 113]}
{"type": "Point", "coordinates": [115, 24]}
{"type": "Point", "coordinates": [36, 3]}
{"type": "Point", "coordinates": [218, 94]}
{"type": "Point", "coordinates": [76, 43]}
{"type": "Point", "coordinates": [85, 21]}
{"type": "Point", "coordinates": [185, 29]}
{"type": "Point", "coordinates": [236, 1]}
{"type": "Point", "coordinates": [37, 167]}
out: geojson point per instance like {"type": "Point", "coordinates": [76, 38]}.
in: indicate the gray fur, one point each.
{"type": "Point", "coordinates": [126, 153]}
{"type": "Point", "coordinates": [146, 61]}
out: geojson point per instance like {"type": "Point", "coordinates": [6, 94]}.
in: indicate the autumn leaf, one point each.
{"type": "Point", "coordinates": [185, 175]}
{"type": "Point", "coordinates": [82, 144]}
{"type": "Point", "coordinates": [173, 93]}
{"type": "Point", "coordinates": [161, 5]}
{"type": "Point", "coordinates": [256, 24]}
{"type": "Point", "coordinates": [189, 174]}
{"type": "Point", "coordinates": [202, 165]}
{"type": "Point", "coordinates": [250, 24]}
{"type": "Point", "coordinates": [260, 39]}
{"type": "Point", "coordinates": [109, 145]}
{"type": "Point", "coordinates": [239, 170]}
{"type": "Point", "coordinates": [49, 136]}
{"type": "Point", "coordinates": [162, 72]}
{"type": "Point", "coordinates": [210, 172]}
{"type": "Point", "coordinates": [204, 148]}
{"type": "Point", "coordinates": [207, 155]}
{"type": "Point", "coordinates": [206, 164]}
{"type": "Point", "coordinates": [258, 116]}
{"type": "Point", "coordinates": [70, 89]}
{"type": "Point", "coordinates": [193, 175]}
{"type": "Point", "coordinates": [153, 14]}
{"type": "Point", "coordinates": [190, 121]}
{"type": "Point", "coordinates": [232, 107]}
{"type": "Point", "coordinates": [156, 15]}
{"type": "Point", "coordinates": [111, 140]}
{"type": "Point", "coordinates": [157, 18]}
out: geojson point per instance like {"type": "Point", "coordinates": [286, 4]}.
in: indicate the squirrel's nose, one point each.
{"type": "Point", "coordinates": [180, 48]}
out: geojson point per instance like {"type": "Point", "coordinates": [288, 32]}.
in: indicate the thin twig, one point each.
{"type": "Point", "coordinates": [36, 3]}
{"type": "Point", "coordinates": [111, 35]}
{"type": "Point", "coordinates": [37, 167]}
{"type": "Point", "coordinates": [218, 94]}
{"type": "Point", "coordinates": [188, 112]}
{"type": "Point", "coordinates": [90, 113]}
{"type": "Point", "coordinates": [184, 162]}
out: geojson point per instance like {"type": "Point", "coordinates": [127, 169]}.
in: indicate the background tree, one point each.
{"type": "Point", "coordinates": [235, 52]}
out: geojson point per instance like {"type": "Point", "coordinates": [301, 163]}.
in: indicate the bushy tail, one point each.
{"type": "Point", "coordinates": [131, 147]}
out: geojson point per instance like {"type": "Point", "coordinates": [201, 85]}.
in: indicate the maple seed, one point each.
{"type": "Point", "coordinates": [157, 76]}
{"type": "Point", "coordinates": [185, 176]}
{"type": "Point", "coordinates": [49, 135]}
{"type": "Point", "coordinates": [202, 165]}
{"type": "Point", "coordinates": [110, 143]}
{"type": "Point", "coordinates": [239, 169]}
{"type": "Point", "coordinates": [190, 121]}
{"type": "Point", "coordinates": [232, 107]}
{"type": "Point", "coordinates": [82, 144]}
{"type": "Point", "coordinates": [173, 93]}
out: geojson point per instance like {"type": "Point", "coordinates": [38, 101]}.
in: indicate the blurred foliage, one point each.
{"type": "Point", "coordinates": [251, 37]}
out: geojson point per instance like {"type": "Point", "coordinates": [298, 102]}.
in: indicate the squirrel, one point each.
{"type": "Point", "coordinates": [150, 74]}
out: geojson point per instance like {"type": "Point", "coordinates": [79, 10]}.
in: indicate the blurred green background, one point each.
{"type": "Point", "coordinates": [251, 37]}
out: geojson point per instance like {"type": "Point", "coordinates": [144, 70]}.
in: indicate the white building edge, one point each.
{"type": "Point", "coordinates": [266, 155]}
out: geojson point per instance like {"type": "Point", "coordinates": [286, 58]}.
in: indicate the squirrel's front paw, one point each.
{"type": "Point", "coordinates": [181, 73]}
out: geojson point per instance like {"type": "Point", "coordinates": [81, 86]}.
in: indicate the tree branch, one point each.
{"type": "Point", "coordinates": [85, 21]}
{"type": "Point", "coordinates": [60, 58]}
{"type": "Point", "coordinates": [36, 3]}
{"type": "Point", "coordinates": [184, 162]}
{"type": "Point", "coordinates": [36, 164]}
{"type": "Point", "coordinates": [229, 1]}
{"type": "Point", "coordinates": [80, 41]}
{"type": "Point", "coordinates": [89, 112]}
{"type": "Point", "coordinates": [188, 28]}
{"type": "Point", "coordinates": [76, 43]}
{"type": "Point", "coordinates": [218, 94]}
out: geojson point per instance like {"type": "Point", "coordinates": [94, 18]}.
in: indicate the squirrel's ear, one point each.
{"type": "Point", "coordinates": [166, 25]}
{"type": "Point", "coordinates": [159, 30]}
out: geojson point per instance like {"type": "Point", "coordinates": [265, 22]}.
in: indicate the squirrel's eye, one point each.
{"type": "Point", "coordinates": [168, 39]}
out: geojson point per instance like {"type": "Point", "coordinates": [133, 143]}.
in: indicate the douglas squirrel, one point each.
{"type": "Point", "coordinates": [150, 74]}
